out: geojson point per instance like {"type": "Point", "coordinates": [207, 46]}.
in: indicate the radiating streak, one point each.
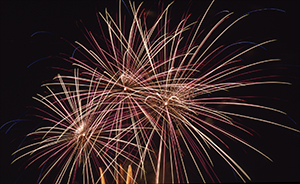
{"type": "Point", "coordinates": [234, 57]}
{"type": "Point", "coordinates": [261, 120]}
{"type": "Point", "coordinates": [241, 68]}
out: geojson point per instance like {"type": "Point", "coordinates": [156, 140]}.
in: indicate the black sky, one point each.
{"type": "Point", "coordinates": [20, 19]}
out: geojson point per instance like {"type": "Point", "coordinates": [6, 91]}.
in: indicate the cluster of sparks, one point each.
{"type": "Point", "coordinates": [143, 102]}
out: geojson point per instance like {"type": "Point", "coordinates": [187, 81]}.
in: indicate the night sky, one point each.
{"type": "Point", "coordinates": [20, 19]}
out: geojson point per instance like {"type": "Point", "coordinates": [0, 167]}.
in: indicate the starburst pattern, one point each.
{"type": "Point", "coordinates": [148, 96]}
{"type": "Point", "coordinates": [80, 136]}
{"type": "Point", "coordinates": [167, 88]}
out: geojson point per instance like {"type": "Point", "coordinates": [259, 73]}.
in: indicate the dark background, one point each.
{"type": "Point", "coordinates": [20, 19]}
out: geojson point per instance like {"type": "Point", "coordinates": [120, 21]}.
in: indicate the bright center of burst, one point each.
{"type": "Point", "coordinates": [166, 103]}
{"type": "Point", "coordinates": [80, 131]}
{"type": "Point", "coordinates": [125, 88]}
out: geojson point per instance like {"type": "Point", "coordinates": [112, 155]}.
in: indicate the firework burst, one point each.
{"type": "Point", "coordinates": [148, 97]}
{"type": "Point", "coordinates": [80, 138]}
{"type": "Point", "coordinates": [158, 84]}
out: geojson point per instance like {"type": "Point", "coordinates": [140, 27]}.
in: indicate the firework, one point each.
{"type": "Point", "coordinates": [79, 139]}
{"type": "Point", "coordinates": [149, 97]}
{"type": "Point", "coordinates": [156, 82]}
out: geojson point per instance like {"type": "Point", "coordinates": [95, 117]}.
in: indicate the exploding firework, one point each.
{"type": "Point", "coordinates": [151, 95]}
{"type": "Point", "coordinates": [158, 83]}
{"type": "Point", "coordinates": [80, 138]}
